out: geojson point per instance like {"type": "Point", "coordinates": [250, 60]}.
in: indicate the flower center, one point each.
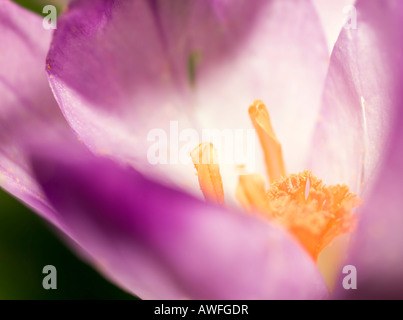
{"type": "Point", "coordinates": [310, 210]}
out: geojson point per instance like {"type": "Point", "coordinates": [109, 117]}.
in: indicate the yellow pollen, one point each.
{"type": "Point", "coordinates": [204, 158]}
{"type": "Point", "coordinates": [315, 218]}
{"type": "Point", "coordinates": [313, 212]}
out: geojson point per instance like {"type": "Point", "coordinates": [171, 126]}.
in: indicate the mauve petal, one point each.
{"type": "Point", "coordinates": [121, 68]}
{"type": "Point", "coordinates": [359, 101]}
{"type": "Point", "coordinates": [333, 14]}
{"type": "Point", "coordinates": [377, 250]}
{"type": "Point", "coordinates": [160, 243]}
{"type": "Point", "coordinates": [28, 111]}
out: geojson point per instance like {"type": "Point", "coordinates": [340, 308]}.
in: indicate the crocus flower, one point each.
{"type": "Point", "coordinates": [121, 68]}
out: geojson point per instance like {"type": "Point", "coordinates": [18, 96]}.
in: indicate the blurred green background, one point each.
{"type": "Point", "coordinates": [37, 5]}
{"type": "Point", "coordinates": [27, 244]}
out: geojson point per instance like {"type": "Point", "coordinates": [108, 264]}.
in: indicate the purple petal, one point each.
{"type": "Point", "coordinates": [122, 68]}
{"type": "Point", "coordinates": [359, 99]}
{"type": "Point", "coordinates": [28, 111]}
{"type": "Point", "coordinates": [377, 250]}
{"type": "Point", "coordinates": [368, 63]}
{"type": "Point", "coordinates": [333, 15]}
{"type": "Point", "coordinates": [160, 243]}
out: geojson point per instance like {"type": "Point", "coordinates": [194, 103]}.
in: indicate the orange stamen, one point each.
{"type": "Point", "coordinates": [204, 158]}
{"type": "Point", "coordinates": [251, 192]}
{"type": "Point", "coordinates": [271, 146]}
